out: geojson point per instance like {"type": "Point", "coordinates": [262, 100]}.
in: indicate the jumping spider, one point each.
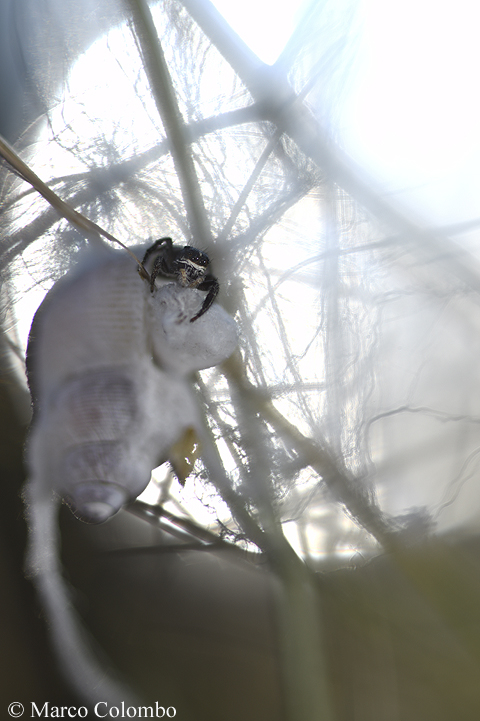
{"type": "Point", "coordinates": [187, 265]}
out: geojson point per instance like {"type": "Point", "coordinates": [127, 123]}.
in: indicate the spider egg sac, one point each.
{"type": "Point", "coordinates": [107, 365]}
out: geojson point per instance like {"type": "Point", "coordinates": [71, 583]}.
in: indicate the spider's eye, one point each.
{"type": "Point", "coordinates": [192, 265]}
{"type": "Point", "coordinates": [194, 256]}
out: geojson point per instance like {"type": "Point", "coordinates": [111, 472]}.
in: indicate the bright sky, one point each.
{"type": "Point", "coordinates": [412, 117]}
{"type": "Point", "coordinates": [262, 24]}
{"type": "Point", "coordinates": [415, 106]}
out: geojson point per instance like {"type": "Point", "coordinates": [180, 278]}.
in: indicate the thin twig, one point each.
{"type": "Point", "coordinates": [93, 230]}
{"type": "Point", "coordinates": [317, 456]}
{"type": "Point", "coordinates": [163, 92]}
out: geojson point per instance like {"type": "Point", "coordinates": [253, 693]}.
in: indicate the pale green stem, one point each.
{"type": "Point", "coordinates": [163, 92]}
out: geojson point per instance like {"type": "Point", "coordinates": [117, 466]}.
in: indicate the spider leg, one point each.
{"type": "Point", "coordinates": [213, 286]}
{"type": "Point", "coordinates": [163, 262]}
{"type": "Point", "coordinates": [153, 248]}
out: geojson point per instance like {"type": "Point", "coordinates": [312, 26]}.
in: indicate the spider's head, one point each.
{"type": "Point", "coordinates": [191, 266]}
